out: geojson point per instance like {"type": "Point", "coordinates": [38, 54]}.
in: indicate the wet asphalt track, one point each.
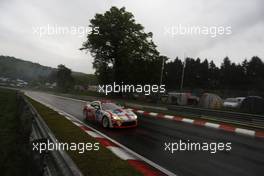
{"type": "Point", "coordinates": [245, 159]}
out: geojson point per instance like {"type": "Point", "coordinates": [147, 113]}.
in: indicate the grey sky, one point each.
{"type": "Point", "coordinates": [18, 19]}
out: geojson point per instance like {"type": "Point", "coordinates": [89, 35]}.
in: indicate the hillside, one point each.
{"type": "Point", "coordinates": [14, 68]}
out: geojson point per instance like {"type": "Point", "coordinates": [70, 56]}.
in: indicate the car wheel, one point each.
{"type": "Point", "coordinates": [105, 122]}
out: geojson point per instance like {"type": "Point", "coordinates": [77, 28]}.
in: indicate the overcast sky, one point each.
{"type": "Point", "coordinates": [19, 21]}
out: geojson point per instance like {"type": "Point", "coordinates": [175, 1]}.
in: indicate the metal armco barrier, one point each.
{"type": "Point", "coordinates": [57, 163]}
{"type": "Point", "coordinates": [228, 116]}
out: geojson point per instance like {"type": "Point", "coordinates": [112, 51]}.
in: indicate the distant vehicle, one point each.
{"type": "Point", "coordinates": [253, 104]}
{"type": "Point", "coordinates": [233, 102]}
{"type": "Point", "coordinates": [109, 115]}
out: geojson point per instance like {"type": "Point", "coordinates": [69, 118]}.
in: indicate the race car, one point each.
{"type": "Point", "coordinates": [109, 115]}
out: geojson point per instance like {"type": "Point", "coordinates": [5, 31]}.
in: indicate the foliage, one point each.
{"type": "Point", "coordinates": [249, 75]}
{"type": "Point", "coordinates": [64, 78]}
{"type": "Point", "coordinates": [122, 51]}
{"type": "Point", "coordinates": [84, 79]}
{"type": "Point", "coordinates": [16, 68]}
{"type": "Point", "coordinates": [35, 73]}
{"type": "Point", "coordinates": [14, 143]}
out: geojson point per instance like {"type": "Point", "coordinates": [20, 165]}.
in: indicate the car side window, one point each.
{"type": "Point", "coordinates": [95, 105]}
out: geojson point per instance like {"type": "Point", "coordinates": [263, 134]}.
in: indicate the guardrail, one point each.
{"type": "Point", "coordinates": [55, 162]}
{"type": "Point", "coordinates": [251, 120]}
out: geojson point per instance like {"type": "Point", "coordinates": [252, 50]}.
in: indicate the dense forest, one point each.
{"type": "Point", "coordinates": [14, 68]}
{"type": "Point", "coordinates": [244, 76]}
{"type": "Point", "coordinates": [248, 75]}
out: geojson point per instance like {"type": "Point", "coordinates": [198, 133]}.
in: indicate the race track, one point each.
{"type": "Point", "coordinates": [245, 159]}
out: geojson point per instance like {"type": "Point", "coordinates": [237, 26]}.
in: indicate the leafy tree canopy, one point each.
{"type": "Point", "coordinates": [122, 51]}
{"type": "Point", "coordinates": [65, 80]}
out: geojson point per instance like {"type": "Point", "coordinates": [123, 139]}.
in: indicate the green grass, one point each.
{"type": "Point", "coordinates": [100, 163]}
{"type": "Point", "coordinates": [14, 148]}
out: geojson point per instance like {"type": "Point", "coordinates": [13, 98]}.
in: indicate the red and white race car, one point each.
{"type": "Point", "coordinates": [109, 114]}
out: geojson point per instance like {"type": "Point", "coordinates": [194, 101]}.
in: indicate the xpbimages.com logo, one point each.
{"type": "Point", "coordinates": [47, 145]}
{"type": "Point", "coordinates": [55, 29]}
{"type": "Point", "coordinates": [212, 147]}
{"type": "Point", "coordinates": [212, 31]}
{"type": "Point", "coordinates": [124, 88]}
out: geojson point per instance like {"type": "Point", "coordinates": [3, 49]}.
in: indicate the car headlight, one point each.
{"type": "Point", "coordinates": [132, 115]}
{"type": "Point", "coordinates": [116, 117]}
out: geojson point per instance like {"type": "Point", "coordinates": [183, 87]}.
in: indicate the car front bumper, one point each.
{"type": "Point", "coordinates": [124, 124]}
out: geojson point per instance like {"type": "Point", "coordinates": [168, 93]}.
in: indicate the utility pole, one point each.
{"type": "Point", "coordinates": [162, 69]}
{"type": "Point", "coordinates": [183, 70]}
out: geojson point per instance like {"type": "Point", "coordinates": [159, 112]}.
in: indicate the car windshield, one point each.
{"type": "Point", "coordinates": [109, 106]}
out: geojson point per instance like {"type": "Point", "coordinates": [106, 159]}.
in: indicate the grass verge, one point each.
{"type": "Point", "coordinates": [14, 143]}
{"type": "Point", "coordinates": [99, 163]}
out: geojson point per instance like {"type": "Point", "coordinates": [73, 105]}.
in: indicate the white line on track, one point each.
{"type": "Point", "coordinates": [140, 111]}
{"type": "Point", "coordinates": [212, 125]}
{"type": "Point", "coordinates": [153, 114]}
{"type": "Point", "coordinates": [187, 120]}
{"type": "Point", "coordinates": [168, 116]}
{"type": "Point", "coordinates": [93, 134]}
{"type": "Point", "coordinates": [245, 132]}
{"type": "Point", "coordinates": [121, 153]}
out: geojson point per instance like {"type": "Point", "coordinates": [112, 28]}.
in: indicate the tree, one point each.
{"type": "Point", "coordinates": [232, 75]}
{"type": "Point", "coordinates": [255, 73]}
{"type": "Point", "coordinates": [122, 51]}
{"type": "Point", "coordinates": [192, 73]}
{"type": "Point", "coordinates": [213, 78]}
{"type": "Point", "coordinates": [172, 74]}
{"type": "Point", "coordinates": [65, 80]}
{"type": "Point", "coordinates": [248, 75]}
{"type": "Point", "coordinates": [226, 76]}
{"type": "Point", "coordinates": [203, 82]}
